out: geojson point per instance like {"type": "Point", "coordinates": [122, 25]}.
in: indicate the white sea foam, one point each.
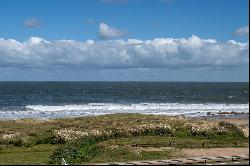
{"type": "Point", "coordinates": [93, 109]}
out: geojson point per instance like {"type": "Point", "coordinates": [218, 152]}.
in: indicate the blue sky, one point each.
{"type": "Point", "coordinates": [102, 21]}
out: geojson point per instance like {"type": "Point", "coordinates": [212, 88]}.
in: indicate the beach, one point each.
{"type": "Point", "coordinates": [131, 82]}
{"type": "Point", "coordinates": [107, 122]}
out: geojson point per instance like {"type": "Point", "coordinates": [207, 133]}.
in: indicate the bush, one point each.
{"type": "Point", "coordinates": [77, 150]}
{"type": "Point", "coordinates": [47, 138]}
{"type": "Point", "coordinates": [19, 140]}
{"type": "Point", "coordinates": [233, 130]}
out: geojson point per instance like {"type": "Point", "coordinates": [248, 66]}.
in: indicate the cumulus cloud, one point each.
{"type": "Point", "coordinates": [192, 52]}
{"type": "Point", "coordinates": [243, 31]}
{"type": "Point", "coordinates": [105, 31]}
{"type": "Point", "coordinates": [31, 23]}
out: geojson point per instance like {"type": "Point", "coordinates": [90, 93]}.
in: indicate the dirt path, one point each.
{"type": "Point", "coordinates": [215, 152]}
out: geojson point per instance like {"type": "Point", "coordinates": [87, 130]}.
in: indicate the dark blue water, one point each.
{"type": "Point", "coordinates": [16, 96]}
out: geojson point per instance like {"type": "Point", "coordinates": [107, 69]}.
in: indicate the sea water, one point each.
{"type": "Point", "coordinates": [48, 100]}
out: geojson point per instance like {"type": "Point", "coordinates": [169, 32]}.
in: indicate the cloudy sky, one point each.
{"type": "Point", "coordinates": [124, 40]}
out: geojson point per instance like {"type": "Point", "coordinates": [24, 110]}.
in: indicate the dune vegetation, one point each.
{"type": "Point", "coordinates": [111, 138]}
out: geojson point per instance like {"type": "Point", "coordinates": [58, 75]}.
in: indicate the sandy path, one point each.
{"type": "Point", "coordinates": [215, 152]}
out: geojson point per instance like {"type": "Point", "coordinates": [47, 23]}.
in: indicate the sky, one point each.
{"type": "Point", "coordinates": [124, 40]}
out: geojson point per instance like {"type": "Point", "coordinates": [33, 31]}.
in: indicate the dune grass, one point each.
{"type": "Point", "coordinates": [110, 138]}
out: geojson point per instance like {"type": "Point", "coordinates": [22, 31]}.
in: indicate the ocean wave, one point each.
{"type": "Point", "coordinates": [94, 109]}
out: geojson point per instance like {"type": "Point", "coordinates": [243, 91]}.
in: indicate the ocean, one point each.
{"type": "Point", "coordinates": [48, 100]}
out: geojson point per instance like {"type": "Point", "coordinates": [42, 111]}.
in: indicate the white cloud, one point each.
{"type": "Point", "coordinates": [106, 31]}
{"type": "Point", "coordinates": [31, 23]}
{"type": "Point", "coordinates": [243, 31]}
{"type": "Point", "coordinates": [192, 52]}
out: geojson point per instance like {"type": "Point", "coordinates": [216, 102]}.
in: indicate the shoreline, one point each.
{"type": "Point", "coordinates": [61, 114]}
{"type": "Point", "coordinates": [94, 109]}
{"type": "Point", "coordinates": [209, 115]}
{"type": "Point", "coordinates": [228, 116]}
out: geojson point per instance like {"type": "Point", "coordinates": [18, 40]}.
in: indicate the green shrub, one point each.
{"type": "Point", "coordinates": [77, 150]}
{"type": "Point", "coordinates": [233, 130]}
{"type": "Point", "coordinates": [48, 138]}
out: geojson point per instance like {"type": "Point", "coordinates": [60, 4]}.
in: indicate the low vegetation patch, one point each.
{"type": "Point", "coordinates": [118, 137]}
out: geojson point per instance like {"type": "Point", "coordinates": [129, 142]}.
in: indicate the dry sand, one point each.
{"type": "Point", "coordinates": [215, 152]}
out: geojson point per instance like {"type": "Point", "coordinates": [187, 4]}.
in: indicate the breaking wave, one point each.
{"type": "Point", "coordinates": [94, 109]}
